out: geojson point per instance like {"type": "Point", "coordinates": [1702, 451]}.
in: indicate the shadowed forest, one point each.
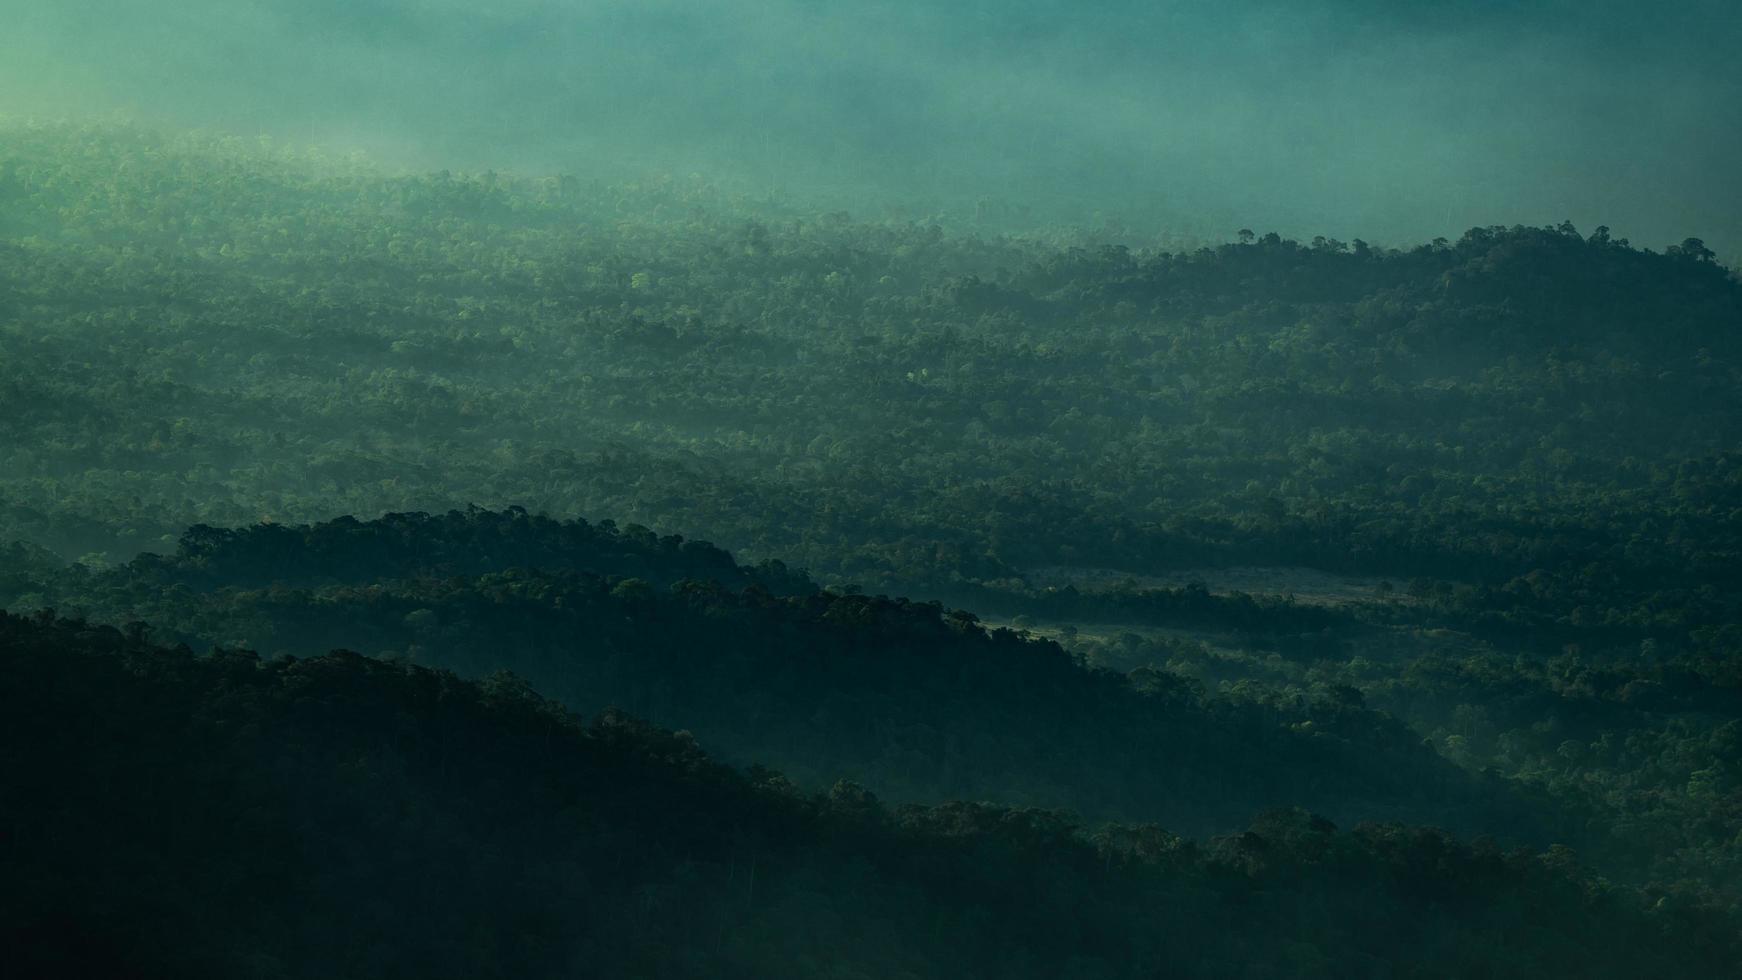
{"type": "Point", "coordinates": [540, 568]}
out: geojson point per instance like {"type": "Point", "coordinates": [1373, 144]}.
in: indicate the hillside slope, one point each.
{"type": "Point", "coordinates": [339, 816]}
{"type": "Point", "coordinates": [916, 701]}
{"type": "Point", "coordinates": [201, 331]}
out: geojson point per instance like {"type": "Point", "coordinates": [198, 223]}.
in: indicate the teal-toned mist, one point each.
{"type": "Point", "coordinates": [1395, 122]}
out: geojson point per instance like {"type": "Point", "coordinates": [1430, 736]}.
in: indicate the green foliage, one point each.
{"type": "Point", "coordinates": [338, 816]}
{"type": "Point", "coordinates": [208, 333]}
{"type": "Point", "coordinates": [217, 352]}
{"type": "Point", "coordinates": [916, 702]}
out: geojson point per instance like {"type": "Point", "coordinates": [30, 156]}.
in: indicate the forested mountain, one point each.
{"type": "Point", "coordinates": [916, 702]}
{"type": "Point", "coordinates": [206, 332]}
{"type": "Point", "coordinates": [228, 816]}
{"type": "Point", "coordinates": [1633, 765]}
{"type": "Point", "coordinates": [1045, 542]}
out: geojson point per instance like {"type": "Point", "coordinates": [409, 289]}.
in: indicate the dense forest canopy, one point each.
{"type": "Point", "coordinates": [913, 700]}
{"type": "Point", "coordinates": [880, 401]}
{"type": "Point", "coordinates": [341, 816]}
{"type": "Point", "coordinates": [759, 573]}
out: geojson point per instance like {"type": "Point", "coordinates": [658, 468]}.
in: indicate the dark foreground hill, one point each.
{"type": "Point", "coordinates": [228, 816]}
{"type": "Point", "coordinates": [918, 702]}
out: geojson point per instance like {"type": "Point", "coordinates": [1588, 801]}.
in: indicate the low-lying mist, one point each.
{"type": "Point", "coordinates": [1392, 122]}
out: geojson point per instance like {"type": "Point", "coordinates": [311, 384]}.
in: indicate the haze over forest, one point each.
{"type": "Point", "coordinates": [1396, 122]}
{"type": "Point", "coordinates": [930, 491]}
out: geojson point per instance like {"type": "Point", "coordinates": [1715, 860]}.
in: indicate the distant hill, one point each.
{"type": "Point", "coordinates": [422, 546]}
{"type": "Point", "coordinates": [221, 363]}
{"type": "Point", "coordinates": [198, 330]}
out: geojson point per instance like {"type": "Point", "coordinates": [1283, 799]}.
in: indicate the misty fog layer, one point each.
{"type": "Point", "coordinates": [1397, 122]}
{"type": "Point", "coordinates": [1019, 489]}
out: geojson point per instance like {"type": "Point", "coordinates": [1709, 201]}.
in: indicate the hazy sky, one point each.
{"type": "Point", "coordinates": [1386, 119]}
